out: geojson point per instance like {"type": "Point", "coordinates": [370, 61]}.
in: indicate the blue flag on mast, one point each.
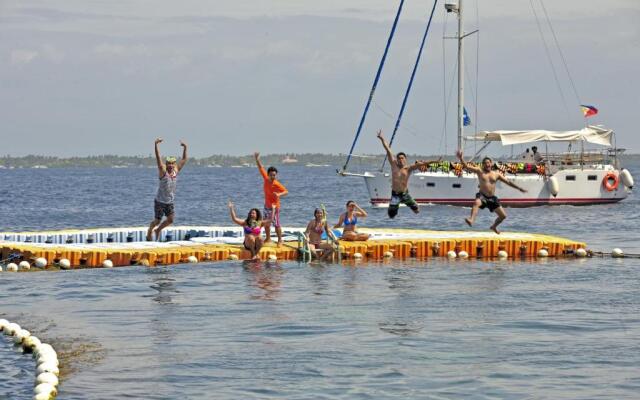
{"type": "Point", "coordinates": [466, 121]}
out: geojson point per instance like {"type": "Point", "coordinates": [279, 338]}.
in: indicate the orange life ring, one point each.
{"type": "Point", "coordinates": [607, 181]}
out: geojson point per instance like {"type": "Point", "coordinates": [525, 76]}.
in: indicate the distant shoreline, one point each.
{"type": "Point", "coordinates": [291, 159]}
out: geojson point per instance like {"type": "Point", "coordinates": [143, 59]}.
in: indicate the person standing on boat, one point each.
{"type": "Point", "coordinates": [273, 190]}
{"type": "Point", "coordinates": [537, 157]}
{"type": "Point", "coordinates": [163, 203]}
{"type": "Point", "coordinates": [486, 196]}
{"type": "Point", "coordinates": [400, 174]}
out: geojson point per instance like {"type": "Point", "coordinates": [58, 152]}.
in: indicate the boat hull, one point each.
{"type": "Point", "coordinates": [576, 187]}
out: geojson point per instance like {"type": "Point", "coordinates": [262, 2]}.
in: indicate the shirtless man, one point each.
{"type": "Point", "coordinates": [163, 203]}
{"type": "Point", "coordinates": [400, 174]}
{"type": "Point", "coordinates": [486, 196]}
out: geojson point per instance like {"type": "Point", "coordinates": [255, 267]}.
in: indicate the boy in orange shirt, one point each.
{"type": "Point", "coordinates": [273, 190]}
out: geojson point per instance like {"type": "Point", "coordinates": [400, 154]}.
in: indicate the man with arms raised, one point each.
{"type": "Point", "coordinates": [273, 190]}
{"type": "Point", "coordinates": [163, 203]}
{"type": "Point", "coordinates": [486, 196]}
{"type": "Point", "coordinates": [400, 174]}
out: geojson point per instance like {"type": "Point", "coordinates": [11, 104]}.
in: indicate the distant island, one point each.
{"type": "Point", "coordinates": [292, 159]}
{"type": "Point", "coordinates": [113, 161]}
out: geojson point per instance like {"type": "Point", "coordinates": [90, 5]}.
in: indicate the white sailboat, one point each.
{"type": "Point", "coordinates": [578, 178]}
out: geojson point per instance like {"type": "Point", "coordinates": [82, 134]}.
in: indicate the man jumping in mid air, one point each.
{"type": "Point", "coordinates": [486, 197]}
{"type": "Point", "coordinates": [163, 203]}
{"type": "Point", "coordinates": [400, 174]}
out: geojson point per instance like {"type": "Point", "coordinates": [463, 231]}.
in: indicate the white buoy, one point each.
{"type": "Point", "coordinates": [553, 186]}
{"type": "Point", "coordinates": [31, 343]}
{"type": "Point", "coordinates": [48, 359]}
{"type": "Point", "coordinates": [543, 253]}
{"type": "Point", "coordinates": [463, 254]}
{"type": "Point", "coordinates": [43, 396]}
{"type": "Point", "coordinates": [626, 178]}
{"type": "Point", "coordinates": [581, 253]}
{"type": "Point", "coordinates": [12, 267]}
{"type": "Point", "coordinates": [41, 262]}
{"type": "Point", "coordinates": [388, 254]}
{"type": "Point", "coordinates": [192, 259]}
{"type": "Point", "coordinates": [43, 350]}
{"type": "Point", "coordinates": [20, 335]}
{"type": "Point", "coordinates": [24, 265]}
{"type": "Point", "coordinates": [11, 329]}
{"type": "Point", "coordinates": [47, 377]}
{"type": "Point", "coordinates": [451, 254]}
{"type": "Point", "coordinates": [357, 256]}
{"type": "Point", "coordinates": [273, 257]}
{"type": "Point", "coordinates": [44, 347]}
{"type": "Point", "coordinates": [107, 264]}
{"type": "Point", "coordinates": [46, 388]}
{"type": "Point", "coordinates": [503, 255]}
{"type": "Point", "coordinates": [48, 367]}
{"type": "Point", "coordinates": [617, 253]}
{"type": "Point", "coordinates": [233, 257]}
{"type": "Point", "coordinates": [64, 263]}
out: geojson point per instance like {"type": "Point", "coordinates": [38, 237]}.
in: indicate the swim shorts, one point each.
{"type": "Point", "coordinates": [398, 198]}
{"type": "Point", "coordinates": [490, 202]}
{"type": "Point", "coordinates": [274, 217]}
{"type": "Point", "coordinates": [162, 209]}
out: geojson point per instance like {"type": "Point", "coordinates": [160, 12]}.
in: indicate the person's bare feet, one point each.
{"type": "Point", "coordinates": [268, 240]}
{"type": "Point", "coordinates": [468, 221]}
{"type": "Point", "coordinates": [279, 243]}
{"type": "Point", "coordinates": [495, 229]}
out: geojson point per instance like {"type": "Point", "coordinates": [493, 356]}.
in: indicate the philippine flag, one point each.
{"type": "Point", "coordinates": [588, 111]}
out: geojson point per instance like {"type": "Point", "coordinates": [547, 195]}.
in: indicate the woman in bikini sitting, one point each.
{"type": "Point", "coordinates": [315, 228]}
{"type": "Point", "coordinates": [252, 227]}
{"type": "Point", "coordinates": [350, 219]}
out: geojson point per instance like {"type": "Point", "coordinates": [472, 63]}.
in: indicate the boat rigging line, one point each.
{"type": "Point", "coordinates": [413, 75]}
{"type": "Point", "coordinates": [375, 83]}
{"type": "Point", "coordinates": [550, 59]}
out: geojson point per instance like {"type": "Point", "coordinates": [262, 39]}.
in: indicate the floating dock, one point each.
{"type": "Point", "coordinates": [89, 248]}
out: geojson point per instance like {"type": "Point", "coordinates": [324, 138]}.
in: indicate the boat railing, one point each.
{"type": "Point", "coordinates": [362, 165]}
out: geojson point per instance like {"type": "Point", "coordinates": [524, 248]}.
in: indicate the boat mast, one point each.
{"type": "Point", "coordinates": [460, 76]}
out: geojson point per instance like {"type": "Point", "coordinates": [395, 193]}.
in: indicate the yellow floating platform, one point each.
{"type": "Point", "coordinates": [89, 248]}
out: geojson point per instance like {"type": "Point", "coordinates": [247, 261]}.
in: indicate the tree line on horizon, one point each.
{"type": "Point", "coordinates": [115, 161]}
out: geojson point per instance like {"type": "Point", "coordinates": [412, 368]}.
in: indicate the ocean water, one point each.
{"type": "Point", "coordinates": [536, 329]}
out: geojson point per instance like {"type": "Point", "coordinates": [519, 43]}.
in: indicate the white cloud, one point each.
{"type": "Point", "coordinates": [118, 50]}
{"type": "Point", "coordinates": [51, 53]}
{"type": "Point", "coordinates": [23, 56]}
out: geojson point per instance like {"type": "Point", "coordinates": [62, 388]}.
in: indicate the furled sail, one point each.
{"type": "Point", "coordinates": [591, 134]}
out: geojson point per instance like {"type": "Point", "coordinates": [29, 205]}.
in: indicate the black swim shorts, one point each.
{"type": "Point", "coordinates": [490, 202]}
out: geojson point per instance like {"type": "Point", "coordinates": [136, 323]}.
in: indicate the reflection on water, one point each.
{"type": "Point", "coordinates": [265, 276]}
{"type": "Point", "coordinates": [163, 284]}
{"type": "Point", "coordinates": [163, 308]}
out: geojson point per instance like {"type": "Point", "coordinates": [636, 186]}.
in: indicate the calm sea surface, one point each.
{"type": "Point", "coordinates": [546, 329]}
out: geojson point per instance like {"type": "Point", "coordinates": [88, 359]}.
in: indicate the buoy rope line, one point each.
{"type": "Point", "coordinates": [616, 253]}
{"type": "Point", "coordinates": [47, 364]}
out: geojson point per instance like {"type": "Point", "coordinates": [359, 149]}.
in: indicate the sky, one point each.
{"type": "Point", "coordinates": [89, 77]}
